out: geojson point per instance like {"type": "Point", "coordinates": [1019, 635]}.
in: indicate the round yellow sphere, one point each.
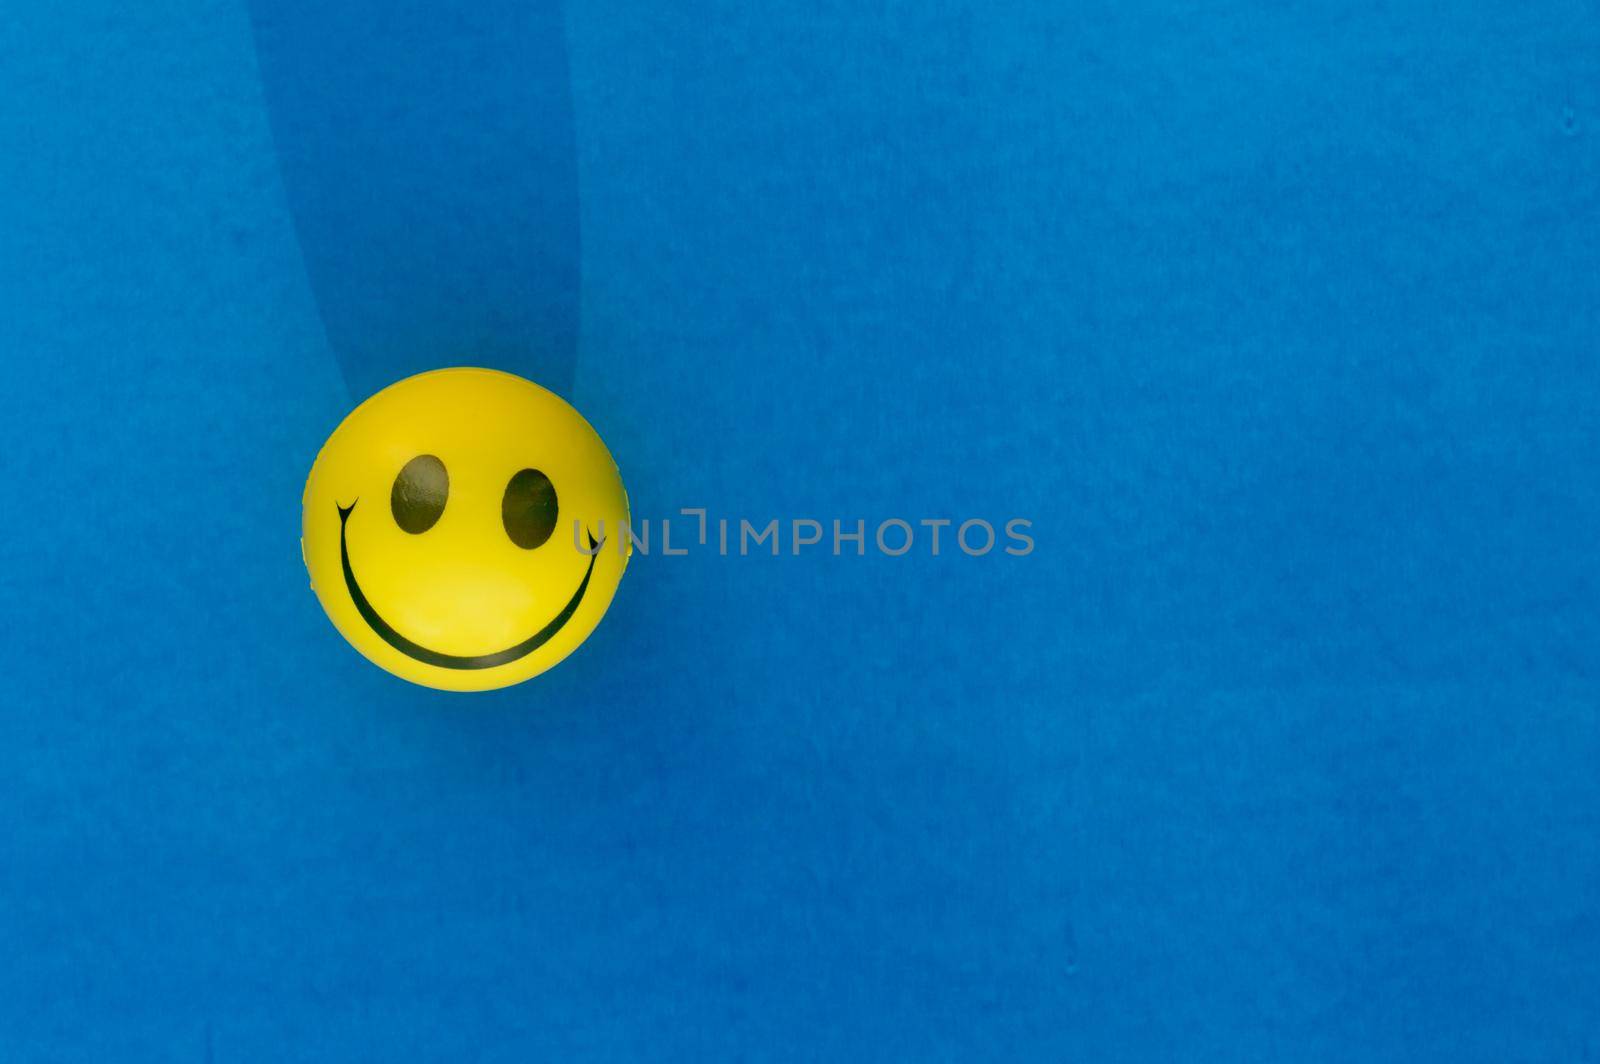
{"type": "Point", "coordinates": [461, 529]}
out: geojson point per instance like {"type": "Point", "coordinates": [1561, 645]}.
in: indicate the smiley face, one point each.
{"type": "Point", "coordinates": [460, 529]}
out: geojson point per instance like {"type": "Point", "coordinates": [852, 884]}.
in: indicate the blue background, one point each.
{"type": "Point", "coordinates": [1278, 320]}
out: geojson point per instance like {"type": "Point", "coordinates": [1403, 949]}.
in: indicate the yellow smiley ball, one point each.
{"type": "Point", "coordinates": [461, 529]}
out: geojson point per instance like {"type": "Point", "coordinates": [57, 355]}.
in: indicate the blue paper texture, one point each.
{"type": "Point", "coordinates": [1278, 321]}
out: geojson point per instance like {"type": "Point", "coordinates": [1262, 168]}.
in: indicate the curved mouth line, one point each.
{"type": "Point", "coordinates": [387, 633]}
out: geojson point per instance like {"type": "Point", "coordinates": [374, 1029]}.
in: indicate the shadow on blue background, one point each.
{"type": "Point", "coordinates": [1277, 321]}
{"type": "Point", "coordinates": [428, 157]}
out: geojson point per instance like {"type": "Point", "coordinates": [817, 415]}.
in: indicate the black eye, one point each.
{"type": "Point", "coordinates": [529, 509]}
{"type": "Point", "coordinates": [419, 493]}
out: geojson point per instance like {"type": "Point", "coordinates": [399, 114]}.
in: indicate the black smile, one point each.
{"type": "Point", "coordinates": [387, 633]}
